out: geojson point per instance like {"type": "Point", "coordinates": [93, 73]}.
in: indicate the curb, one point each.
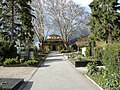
{"type": "Point", "coordinates": [94, 82]}
{"type": "Point", "coordinates": [64, 57]}
{"type": "Point", "coordinates": [86, 76]}
{"type": "Point", "coordinates": [33, 72]}
{"type": "Point", "coordinates": [29, 77]}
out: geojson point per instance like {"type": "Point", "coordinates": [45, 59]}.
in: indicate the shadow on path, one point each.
{"type": "Point", "coordinates": [58, 74]}
{"type": "Point", "coordinates": [28, 84]}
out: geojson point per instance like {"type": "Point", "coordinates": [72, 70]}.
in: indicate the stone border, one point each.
{"type": "Point", "coordinates": [93, 82]}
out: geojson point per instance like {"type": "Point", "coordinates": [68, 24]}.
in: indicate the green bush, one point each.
{"type": "Point", "coordinates": [98, 51]}
{"type": "Point", "coordinates": [7, 50]}
{"type": "Point", "coordinates": [112, 80]}
{"type": "Point", "coordinates": [11, 61]}
{"type": "Point", "coordinates": [111, 59]}
{"type": "Point", "coordinates": [66, 51]}
{"type": "Point", "coordinates": [31, 62]}
{"type": "Point", "coordinates": [22, 48]}
{"type": "Point", "coordinates": [45, 52]}
{"type": "Point", "coordinates": [108, 78]}
{"type": "Point", "coordinates": [99, 77]}
{"type": "Point", "coordinates": [4, 46]}
{"type": "Point", "coordinates": [79, 57]}
{"type": "Point", "coordinates": [12, 52]}
{"type": "Point", "coordinates": [32, 49]}
{"type": "Point", "coordinates": [1, 88]}
{"type": "Point", "coordinates": [60, 47]}
{"type": "Point", "coordinates": [87, 52]}
{"type": "Point", "coordinates": [92, 68]}
{"type": "Point", "coordinates": [74, 46]}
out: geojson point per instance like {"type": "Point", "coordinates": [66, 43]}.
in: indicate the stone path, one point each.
{"type": "Point", "coordinates": [58, 74]}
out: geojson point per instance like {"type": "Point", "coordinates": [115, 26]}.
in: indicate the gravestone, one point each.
{"type": "Point", "coordinates": [10, 83]}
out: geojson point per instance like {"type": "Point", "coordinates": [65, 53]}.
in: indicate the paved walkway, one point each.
{"type": "Point", "coordinates": [58, 74]}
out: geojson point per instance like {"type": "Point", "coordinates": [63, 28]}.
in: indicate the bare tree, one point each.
{"type": "Point", "coordinates": [39, 20]}
{"type": "Point", "coordinates": [65, 17]}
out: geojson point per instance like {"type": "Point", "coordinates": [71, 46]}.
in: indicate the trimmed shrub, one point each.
{"type": "Point", "coordinates": [11, 61]}
{"type": "Point", "coordinates": [31, 62]}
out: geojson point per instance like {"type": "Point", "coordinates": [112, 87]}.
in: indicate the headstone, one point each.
{"type": "Point", "coordinates": [10, 83]}
{"type": "Point", "coordinates": [31, 55]}
{"type": "Point", "coordinates": [83, 51]}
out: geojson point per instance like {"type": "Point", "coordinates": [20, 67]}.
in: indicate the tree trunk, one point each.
{"type": "Point", "coordinates": [109, 39]}
{"type": "Point", "coordinates": [66, 45]}
{"type": "Point", "coordinates": [26, 56]}
{"type": "Point", "coordinates": [12, 27]}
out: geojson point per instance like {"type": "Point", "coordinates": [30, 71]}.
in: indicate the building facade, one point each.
{"type": "Point", "coordinates": [53, 43]}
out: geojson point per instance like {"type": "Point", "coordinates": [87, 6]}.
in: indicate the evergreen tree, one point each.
{"type": "Point", "coordinates": [104, 23]}
{"type": "Point", "coordinates": [16, 21]}
{"type": "Point", "coordinates": [26, 20]}
{"type": "Point", "coordinates": [10, 22]}
{"type": "Point", "coordinates": [26, 34]}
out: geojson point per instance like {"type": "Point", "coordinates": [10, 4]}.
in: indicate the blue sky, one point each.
{"type": "Point", "coordinates": [83, 2]}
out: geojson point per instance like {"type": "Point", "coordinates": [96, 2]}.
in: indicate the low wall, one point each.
{"type": "Point", "coordinates": [84, 63]}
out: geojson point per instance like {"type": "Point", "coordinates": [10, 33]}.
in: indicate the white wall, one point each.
{"type": "Point", "coordinates": [83, 51]}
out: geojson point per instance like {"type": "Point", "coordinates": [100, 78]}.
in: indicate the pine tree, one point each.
{"type": "Point", "coordinates": [17, 21]}
{"type": "Point", "coordinates": [26, 19]}
{"type": "Point", "coordinates": [104, 23]}
{"type": "Point", "coordinates": [26, 29]}
{"type": "Point", "coordinates": [16, 18]}
{"type": "Point", "coordinates": [9, 19]}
